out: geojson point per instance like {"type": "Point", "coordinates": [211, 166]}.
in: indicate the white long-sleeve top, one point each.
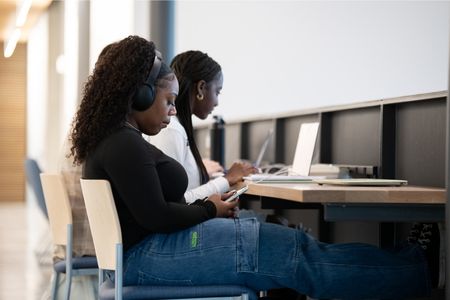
{"type": "Point", "coordinates": [173, 142]}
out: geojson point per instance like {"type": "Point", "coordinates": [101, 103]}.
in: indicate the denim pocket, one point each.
{"type": "Point", "coordinates": [247, 244]}
{"type": "Point", "coordinates": [179, 243]}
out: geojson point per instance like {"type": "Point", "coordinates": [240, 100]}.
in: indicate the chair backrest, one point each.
{"type": "Point", "coordinates": [58, 206]}
{"type": "Point", "coordinates": [33, 172]}
{"type": "Point", "coordinates": [103, 220]}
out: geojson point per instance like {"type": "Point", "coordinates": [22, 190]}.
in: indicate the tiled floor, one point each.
{"type": "Point", "coordinates": [24, 273]}
{"type": "Point", "coordinates": [13, 242]}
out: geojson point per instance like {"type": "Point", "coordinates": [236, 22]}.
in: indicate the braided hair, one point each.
{"type": "Point", "coordinates": [190, 67]}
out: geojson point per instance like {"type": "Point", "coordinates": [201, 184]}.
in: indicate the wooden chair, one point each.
{"type": "Point", "coordinates": [60, 218]}
{"type": "Point", "coordinates": [107, 236]}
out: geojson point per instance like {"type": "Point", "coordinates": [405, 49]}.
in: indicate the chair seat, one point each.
{"type": "Point", "coordinates": [84, 262]}
{"type": "Point", "coordinates": [106, 291]}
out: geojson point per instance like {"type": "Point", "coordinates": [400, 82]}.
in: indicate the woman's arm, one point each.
{"type": "Point", "coordinates": [131, 163]}
{"type": "Point", "coordinates": [216, 186]}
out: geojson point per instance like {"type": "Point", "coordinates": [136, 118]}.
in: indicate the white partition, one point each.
{"type": "Point", "coordinates": [279, 56]}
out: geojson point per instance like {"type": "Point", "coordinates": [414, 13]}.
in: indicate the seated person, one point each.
{"type": "Point", "coordinates": [201, 80]}
{"type": "Point", "coordinates": [164, 237]}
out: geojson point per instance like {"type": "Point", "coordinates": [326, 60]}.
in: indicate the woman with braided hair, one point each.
{"type": "Point", "coordinates": [200, 78]}
{"type": "Point", "coordinates": [169, 242]}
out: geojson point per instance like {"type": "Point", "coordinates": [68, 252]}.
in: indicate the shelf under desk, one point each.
{"type": "Point", "coordinates": [365, 203]}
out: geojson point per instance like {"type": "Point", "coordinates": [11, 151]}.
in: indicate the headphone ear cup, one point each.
{"type": "Point", "coordinates": [145, 94]}
{"type": "Point", "coordinates": [144, 97]}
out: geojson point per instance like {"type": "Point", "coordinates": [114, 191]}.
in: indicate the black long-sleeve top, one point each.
{"type": "Point", "coordinates": [148, 186]}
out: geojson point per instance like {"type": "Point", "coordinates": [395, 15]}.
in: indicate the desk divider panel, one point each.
{"type": "Point", "coordinates": [420, 142]}
{"type": "Point", "coordinates": [388, 149]}
{"type": "Point", "coordinates": [280, 141]}
{"type": "Point", "coordinates": [324, 138]}
{"type": "Point", "coordinates": [244, 148]}
{"type": "Point", "coordinates": [355, 136]}
{"type": "Point", "coordinates": [232, 144]}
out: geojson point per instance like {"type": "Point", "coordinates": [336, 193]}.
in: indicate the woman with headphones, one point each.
{"type": "Point", "coordinates": [167, 241]}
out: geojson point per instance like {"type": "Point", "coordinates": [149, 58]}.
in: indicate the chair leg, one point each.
{"type": "Point", "coordinates": [101, 278]}
{"type": "Point", "coordinates": [68, 262]}
{"type": "Point", "coordinates": [119, 272]}
{"type": "Point", "coordinates": [55, 284]}
{"type": "Point", "coordinates": [68, 285]}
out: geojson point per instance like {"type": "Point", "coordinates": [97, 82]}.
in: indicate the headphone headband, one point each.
{"type": "Point", "coordinates": [151, 80]}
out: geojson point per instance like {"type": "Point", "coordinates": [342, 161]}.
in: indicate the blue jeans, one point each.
{"type": "Point", "coordinates": [265, 256]}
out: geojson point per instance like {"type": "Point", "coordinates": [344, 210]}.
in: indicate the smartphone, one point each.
{"type": "Point", "coordinates": [237, 194]}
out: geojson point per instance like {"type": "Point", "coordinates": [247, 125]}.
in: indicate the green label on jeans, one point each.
{"type": "Point", "coordinates": [194, 239]}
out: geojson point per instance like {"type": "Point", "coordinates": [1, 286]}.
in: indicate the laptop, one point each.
{"type": "Point", "coordinates": [263, 149]}
{"type": "Point", "coordinates": [304, 151]}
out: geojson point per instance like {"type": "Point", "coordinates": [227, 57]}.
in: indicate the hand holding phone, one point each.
{"type": "Point", "coordinates": [237, 194]}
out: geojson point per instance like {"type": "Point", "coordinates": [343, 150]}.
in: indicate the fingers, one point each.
{"type": "Point", "coordinates": [223, 209]}
{"type": "Point", "coordinates": [238, 170]}
{"type": "Point", "coordinates": [253, 170]}
{"type": "Point", "coordinates": [212, 166]}
{"type": "Point", "coordinates": [232, 204]}
{"type": "Point", "coordinates": [228, 194]}
{"type": "Point", "coordinates": [242, 167]}
{"type": "Point", "coordinates": [250, 170]}
{"type": "Point", "coordinates": [234, 212]}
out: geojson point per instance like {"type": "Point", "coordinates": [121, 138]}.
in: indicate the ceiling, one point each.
{"type": "Point", "coordinates": [8, 14]}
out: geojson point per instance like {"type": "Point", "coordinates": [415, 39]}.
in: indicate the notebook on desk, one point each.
{"type": "Point", "coordinates": [363, 182]}
{"type": "Point", "coordinates": [304, 150]}
{"type": "Point", "coordinates": [274, 178]}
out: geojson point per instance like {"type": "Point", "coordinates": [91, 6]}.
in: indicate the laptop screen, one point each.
{"type": "Point", "coordinates": [263, 149]}
{"type": "Point", "coordinates": [305, 148]}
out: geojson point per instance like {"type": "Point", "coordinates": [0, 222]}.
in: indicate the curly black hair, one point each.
{"type": "Point", "coordinates": [190, 67]}
{"type": "Point", "coordinates": [121, 67]}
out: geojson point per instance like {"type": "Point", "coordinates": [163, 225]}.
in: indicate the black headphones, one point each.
{"type": "Point", "coordinates": [145, 94]}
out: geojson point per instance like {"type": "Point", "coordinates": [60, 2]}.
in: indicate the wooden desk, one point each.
{"type": "Point", "coordinates": [314, 193]}
{"type": "Point", "coordinates": [384, 204]}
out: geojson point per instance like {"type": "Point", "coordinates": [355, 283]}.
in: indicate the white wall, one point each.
{"type": "Point", "coordinates": [48, 122]}
{"type": "Point", "coordinates": [279, 56]}
{"type": "Point", "coordinates": [37, 92]}
{"type": "Point", "coordinates": [110, 21]}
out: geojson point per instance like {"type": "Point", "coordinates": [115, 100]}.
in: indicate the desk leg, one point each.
{"type": "Point", "coordinates": [387, 235]}
{"type": "Point", "coordinates": [324, 227]}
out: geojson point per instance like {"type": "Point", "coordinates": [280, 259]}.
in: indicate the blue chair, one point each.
{"type": "Point", "coordinates": [60, 218]}
{"type": "Point", "coordinates": [107, 236]}
{"type": "Point", "coordinates": [33, 172]}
